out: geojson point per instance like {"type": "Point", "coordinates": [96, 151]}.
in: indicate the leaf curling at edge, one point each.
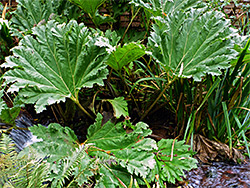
{"type": "Point", "coordinates": [120, 107]}
{"type": "Point", "coordinates": [115, 176]}
{"type": "Point", "coordinates": [201, 42]}
{"type": "Point", "coordinates": [57, 64]}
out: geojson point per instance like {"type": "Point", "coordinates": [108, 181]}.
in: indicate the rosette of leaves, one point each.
{"type": "Point", "coordinates": [193, 43]}
{"type": "Point", "coordinates": [55, 63]}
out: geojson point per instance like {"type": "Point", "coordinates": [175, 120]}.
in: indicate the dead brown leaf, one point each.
{"type": "Point", "coordinates": [208, 150]}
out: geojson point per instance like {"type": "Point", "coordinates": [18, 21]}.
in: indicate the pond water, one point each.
{"type": "Point", "coordinates": [219, 175]}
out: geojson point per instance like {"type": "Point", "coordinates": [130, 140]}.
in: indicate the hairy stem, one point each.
{"type": "Point", "coordinates": [82, 108]}
{"type": "Point", "coordinates": [132, 19]}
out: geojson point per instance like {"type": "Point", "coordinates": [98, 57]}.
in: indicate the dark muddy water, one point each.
{"type": "Point", "coordinates": [219, 175]}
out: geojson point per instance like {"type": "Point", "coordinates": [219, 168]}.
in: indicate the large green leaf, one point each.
{"type": "Point", "coordinates": [56, 63]}
{"type": "Point", "coordinates": [165, 7]}
{"type": "Point", "coordinates": [125, 55]}
{"type": "Point", "coordinates": [88, 6]}
{"type": "Point", "coordinates": [91, 8]}
{"type": "Point", "coordinates": [30, 13]}
{"type": "Point", "coordinates": [111, 154]}
{"type": "Point", "coordinates": [172, 157]}
{"type": "Point", "coordinates": [193, 44]}
{"type": "Point", "coordinates": [131, 150]}
{"type": "Point", "coordinates": [56, 141]}
{"type": "Point", "coordinates": [112, 178]}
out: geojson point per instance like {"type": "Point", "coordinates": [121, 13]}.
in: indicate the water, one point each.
{"type": "Point", "coordinates": [220, 175]}
{"type": "Point", "coordinates": [23, 138]}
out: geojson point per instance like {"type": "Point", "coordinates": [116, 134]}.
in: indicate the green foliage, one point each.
{"type": "Point", "coordinates": [91, 8]}
{"type": "Point", "coordinates": [128, 150]}
{"type": "Point", "coordinates": [166, 7]}
{"type": "Point", "coordinates": [124, 55]}
{"type": "Point", "coordinates": [6, 41]}
{"type": "Point", "coordinates": [110, 155]}
{"type": "Point", "coordinates": [88, 6]}
{"type": "Point", "coordinates": [172, 158]}
{"type": "Point", "coordinates": [30, 13]}
{"type": "Point", "coordinates": [120, 106]}
{"type": "Point", "coordinates": [4, 31]}
{"type": "Point", "coordinates": [233, 93]}
{"type": "Point", "coordinates": [20, 171]}
{"type": "Point", "coordinates": [219, 5]}
{"type": "Point", "coordinates": [56, 65]}
{"type": "Point", "coordinates": [8, 115]}
{"type": "Point", "coordinates": [180, 54]}
{"type": "Point", "coordinates": [7, 154]}
{"type": "Point", "coordinates": [175, 44]}
{"type": "Point", "coordinates": [61, 155]}
{"type": "Point", "coordinates": [54, 62]}
{"type": "Point", "coordinates": [32, 172]}
{"type": "Point", "coordinates": [58, 139]}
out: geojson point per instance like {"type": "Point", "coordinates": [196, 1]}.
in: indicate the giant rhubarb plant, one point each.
{"type": "Point", "coordinates": [192, 44]}
{"type": "Point", "coordinates": [55, 63]}
{"type": "Point", "coordinates": [187, 41]}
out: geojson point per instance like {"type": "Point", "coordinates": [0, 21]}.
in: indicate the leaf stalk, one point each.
{"type": "Point", "coordinates": [158, 98]}
{"type": "Point", "coordinates": [82, 108]}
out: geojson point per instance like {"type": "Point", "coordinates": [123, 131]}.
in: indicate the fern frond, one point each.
{"type": "Point", "coordinates": [7, 146]}
{"type": "Point", "coordinates": [69, 166]}
{"type": "Point", "coordinates": [33, 174]}
{"type": "Point", "coordinates": [7, 158]}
